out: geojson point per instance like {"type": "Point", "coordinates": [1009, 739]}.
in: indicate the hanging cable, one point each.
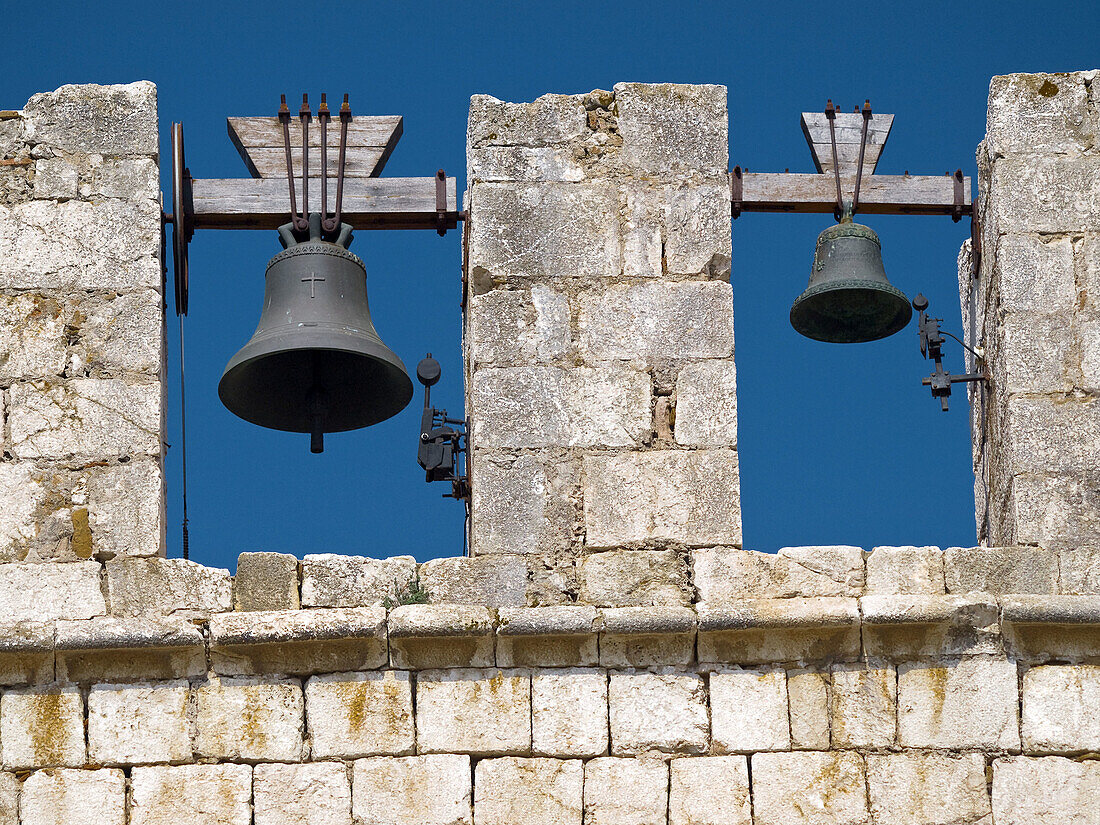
{"type": "Point", "coordinates": [183, 447]}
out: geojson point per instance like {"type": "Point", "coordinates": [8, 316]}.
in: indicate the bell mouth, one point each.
{"type": "Point", "coordinates": [850, 311]}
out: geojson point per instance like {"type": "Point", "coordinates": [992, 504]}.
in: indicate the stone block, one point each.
{"type": "Point", "coordinates": [711, 790]}
{"type": "Point", "coordinates": [863, 707]}
{"type": "Point", "coordinates": [1049, 194]}
{"type": "Point", "coordinates": [266, 581]}
{"type": "Point", "coordinates": [430, 636]}
{"type": "Point", "coordinates": [360, 714]}
{"type": "Point", "coordinates": [673, 129]}
{"type": "Point", "coordinates": [809, 788]}
{"type": "Point", "coordinates": [1034, 274]}
{"type": "Point", "coordinates": [569, 712]}
{"type": "Point", "coordinates": [759, 631]}
{"type": "Point", "coordinates": [55, 178]}
{"type": "Point", "coordinates": [554, 636]}
{"type": "Point", "coordinates": [1079, 570]}
{"type": "Point", "coordinates": [1050, 790]}
{"type": "Point", "coordinates": [513, 326]}
{"type": "Point", "coordinates": [122, 334]}
{"type": "Point", "coordinates": [548, 230]}
{"type": "Point", "coordinates": [32, 337]}
{"type": "Point", "coordinates": [749, 710]}
{"type": "Point", "coordinates": [1046, 435]}
{"type": "Point", "coordinates": [106, 120]}
{"type": "Point", "coordinates": [1060, 511]}
{"type": "Point", "coordinates": [72, 797]}
{"type": "Point", "coordinates": [312, 794]}
{"type": "Point", "coordinates": [1000, 570]}
{"type": "Point", "coordinates": [124, 178]}
{"type": "Point", "coordinates": [697, 230]}
{"type": "Point", "coordinates": [481, 712]}
{"type": "Point", "coordinates": [250, 720]}
{"type": "Point", "coordinates": [124, 509]}
{"type": "Point", "coordinates": [1040, 113]}
{"type": "Point", "coordinates": [85, 419]}
{"type": "Point", "coordinates": [663, 711]}
{"type": "Point", "coordinates": [42, 728]}
{"type": "Point", "coordinates": [106, 245]}
{"type": "Point", "coordinates": [1087, 260]}
{"type": "Point", "coordinates": [808, 693]}
{"type": "Point", "coordinates": [523, 503]}
{"type": "Point", "coordinates": [429, 790]}
{"type": "Point", "coordinates": [691, 497]}
{"type": "Point", "coordinates": [1059, 709]}
{"type": "Point", "coordinates": [1035, 354]}
{"type": "Point", "coordinates": [160, 587]}
{"type": "Point", "coordinates": [706, 404]}
{"type": "Point", "coordinates": [47, 593]}
{"type": "Point", "coordinates": [548, 120]}
{"type": "Point", "coordinates": [724, 574]}
{"type": "Point", "coordinates": [533, 791]}
{"type": "Point", "coordinates": [22, 496]}
{"type": "Point", "coordinates": [110, 649]}
{"type": "Point", "coordinates": [969, 704]}
{"type": "Point", "coordinates": [138, 724]}
{"type": "Point", "coordinates": [332, 580]}
{"type": "Point", "coordinates": [523, 163]}
{"type": "Point", "coordinates": [896, 570]}
{"type": "Point", "coordinates": [196, 794]}
{"type": "Point", "coordinates": [665, 320]}
{"type": "Point", "coordinates": [9, 799]}
{"type": "Point", "coordinates": [623, 578]}
{"type": "Point", "coordinates": [492, 582]}
{"type": "Point", "coordinates": [625, 791]}
{"type": "Point", "coordinates": [647, 636]}
{"type": "Point", "coordinates": [1086, 340]}
{"type": "Point", "coordinates": [581, 407]}
{"type": "Point", "coordinates": [928, 789]}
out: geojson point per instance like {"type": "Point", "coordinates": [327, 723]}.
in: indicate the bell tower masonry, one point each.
{"type": "Point", "coordinates": [600, 381]}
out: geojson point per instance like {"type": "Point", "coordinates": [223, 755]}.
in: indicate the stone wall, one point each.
{"type": "Point", "coordinates": [81, 327]}
{"type": "Point", "coordinates": [1035, 307]}
{"type": "Point", "coordinates": [599, 327]}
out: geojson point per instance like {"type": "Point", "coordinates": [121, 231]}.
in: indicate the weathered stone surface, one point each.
{"type": "Point", "coordinates": [1034, 274]}
{"type": "Point", "coordinates": [697, 230]}
{"type": "Point", "coordinates": [724, 574]}
{"type": "Point", "coordinates": [138, 724]}
{"type": "Point", "coordinates": [763, 631]}
{"type": "Point", "coordinates": [266, 581]}
{"type": "Point", "coordinates": [969, 704]}
{"type": "Point", "coordinates": [1036, 354]}
{"type": "Point", "coordinates": [749, 710]}
{"type": "Point", "coordinates": [21, 496]}
{"type": "Point", "coordinates": [1046, 791]}
{"type": "Point", "coordinates": [808, 692]}
{"type": "Point", "coordinates": [809, 787]}
{"type": "Point", "coordinates": [543, 122]}
{"type": "Point", "coordinates": [482, 712]}
{"type": "Point", "coordinates": [1000, 570]}
{"type": "Point", "coordinates": [332, 580]}
{"type": "Point", "coordinates": [430, 636]}
{"type": "Point", "coordinates": [863, 709]}
{"type": "Point", "coordinates": [124, 509]}
{"type": "Point", "coordinates": [493, 582]}
{"type": "Point", "coordinates": [669, 319]}
{"type": "Point", "coordinates": [9, 799]}
{"type": "Point", "coordinates": [692, 497]}
{"type": "Point", "coordinates": [569, 712]}
{"type": "Point", "coordinates": [647, 636]}
{"type": "Point", "coordinates": [108, 120]}
{"type": "Point", "coordinates": [138, 587]}
{"type": "Point", "coordinates": [85, 418]}
{"type": "Point", "coordinates": [360, 714]}
{"type": "Point", "coordinates": [32, 337]}
{"type": "Point", "coordinates": [42, 727]}
{"type": "Point", "coordinates": [706, 404]}
{"type": "Point", "coordinates": [553, 636]}
{"type": "Point", "coordinates": [607, 407]}
{"type": "Point", "coordinates": [622, 578]}
{"type": "Point", "coordinates": [1040, 113]}
{"type": "Point", "coordinates": [536, 791]}
{"type": "Point", "coordinates": [928, 789]}
{"type": "Point", "coordinates": [670, 128]}
{"type": "Point", "coordinates": [1045, 194]}
{"type": "Point", "coordinates": [549, 230]}
{"type": "Point", "coordinates": [120, 334]}
{"type": "Point", "coordinates": [523, 163]}
{"type": "Point", "coordinates": [1060, 511]}
{"type": "Point", "coordinates": [712, 790]}
{"type": "Point", "coordinates": [110, 244]}
{"type": "Point", "coordinates": [429, 790]}
{"type": "Point", "coordinates": [1079, 570]}
{"type": "Point", "coordinates": [507, 326]}
{"type": "Point", "coordinates": [312, 794]}
{"type": "Point", "coordinates": [663, 711]}
{"type": "Point", "coordinates": [125, 178]}
{"type": "Point", "coordinates": [893, 570]}
{"type": "Point", "coordinates": [55, 178]}
{"type": "Point", "coordinates": [625, 791]}
{"type": "Point", "coordinates": [196, 794]}
{"type": "Point", "coordinates": [46, 593]}
{"type": "Point", "coordinates": [250, 719]}
{"type": "Point", "coordinates": [108, 649]}
{"type": "Point", "coordinates": [1059, 709]}
{"type": "Point", "coordinates": [71, 797]}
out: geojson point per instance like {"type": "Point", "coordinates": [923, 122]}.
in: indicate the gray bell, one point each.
{"type": "Point", "coordinates": [849, 299]}
{"type": "Point", "coordinates": [315, 363]}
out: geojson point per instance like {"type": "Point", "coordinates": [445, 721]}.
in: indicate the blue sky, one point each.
{"type": "Point", "coordinates": [838, 444]}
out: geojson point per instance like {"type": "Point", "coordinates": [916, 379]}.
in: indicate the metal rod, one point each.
{"type": "Point", "coordinates": [305, 116]}
{"type": "Point", "coordinates": [830, 115]}
{"type": "Point", "coordinates": [183, 448]}
{"type": "Point", "coordinates": [323, 116]}
{"type": "Point", "coordinates": [862, 147]}
{"type": "Point", "coordinates": [284, 118]}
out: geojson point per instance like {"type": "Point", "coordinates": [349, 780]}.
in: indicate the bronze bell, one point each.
{"type": "Point", "coordinates": [315, 363]}
{"type": "Point", "coordinates": [848, 299]}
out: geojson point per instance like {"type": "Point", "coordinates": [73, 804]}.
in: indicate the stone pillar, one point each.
{"type": "Point", "coordinates": [81, 326]}
{"type": "Point", "coordinates": [599, 328]}
{"type": "Point", "coordinates": [1035, 307]}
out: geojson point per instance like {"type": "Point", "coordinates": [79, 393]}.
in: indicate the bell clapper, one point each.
{"type": "Point", "coordinates": [316, 405]}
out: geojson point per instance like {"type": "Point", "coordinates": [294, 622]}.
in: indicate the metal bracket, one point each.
{"type": "Point", "coordinates": [442, 439]}
{"type": "Point", "coordinates": [931, 343]}
{"type": "Point", "coordinates": [737, 191]}
{"type": "Point", "coordinates": [441, 203]}
{"type": "Point", "coordinates": [957, 209]}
